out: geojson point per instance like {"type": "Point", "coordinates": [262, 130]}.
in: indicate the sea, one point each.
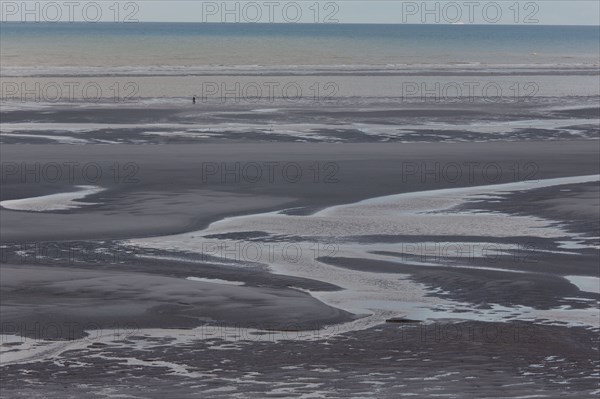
{"type": "Point", "coordinates": [272, 66]}
{"type": "Point", "coordinates": [187, 48]}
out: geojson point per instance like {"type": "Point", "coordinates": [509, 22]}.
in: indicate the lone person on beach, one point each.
{"type": "Point", "coordinates": [194, 100]}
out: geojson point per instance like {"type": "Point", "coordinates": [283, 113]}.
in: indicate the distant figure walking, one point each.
{"type": "Point", "coordinates": [194, 100]}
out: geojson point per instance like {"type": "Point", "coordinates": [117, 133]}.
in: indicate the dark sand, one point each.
{"type": "Point", "coordinates": [171, 196]}
{"type": "Point", "coordinates": [89, 300]}
{"type": "Point", "coordinates": [174, 190]}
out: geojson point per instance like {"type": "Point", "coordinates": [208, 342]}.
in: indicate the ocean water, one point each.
{"type": "Point", "coordinates": [182, 48]}
{"type": "Point", "coordinates": [264, 63]}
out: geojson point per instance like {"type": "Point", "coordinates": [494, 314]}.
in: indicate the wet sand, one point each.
{"type": "Point", "coordinates": [369, 119]}
{"type": "Point", "coordinates": [346, 239]}
{"type": "Point", "coordinates": [466, 360]}
{"type": "Point", "coordinates": [63, 301]}
{"type": "Point", "coordinates": [177, 188]}
{"type": "Point", "coordinates": [84, 300]}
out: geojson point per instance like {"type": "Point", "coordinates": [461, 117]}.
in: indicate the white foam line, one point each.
{"type": "Point", "coordinates": [78, 127]}
{"type": "Point", "coordinates": [464, 191]}
{"type": "Point", "coordinates": [215, 281]}
{"type": "Point", "coordinates": [60, 139]}
{"type": "Point", "coordinates": [52, 202]}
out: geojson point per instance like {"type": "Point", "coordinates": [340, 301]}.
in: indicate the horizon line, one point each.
{"type": "Point", "coordinates": [283, 23]}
